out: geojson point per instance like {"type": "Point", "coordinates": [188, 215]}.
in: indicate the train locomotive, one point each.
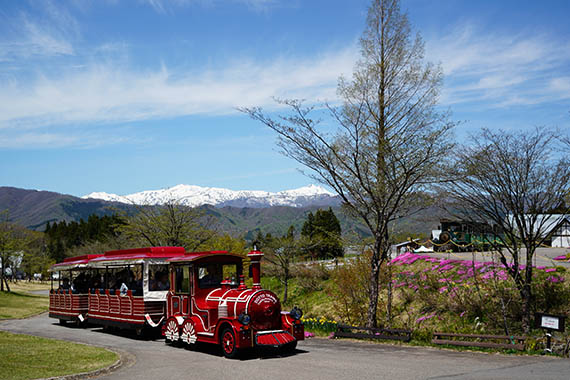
{"type": "Point", "coordinates": [209, 302]}
{"type": "Point", "coordinates": [190, 296]}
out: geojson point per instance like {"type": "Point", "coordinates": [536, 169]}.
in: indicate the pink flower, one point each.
{"type": "Point", "coordinates": [309, 334]}
{"type": "Point", "coordinates": [550, 270]}
{"type": "Point", "coordinates": [425, 317]}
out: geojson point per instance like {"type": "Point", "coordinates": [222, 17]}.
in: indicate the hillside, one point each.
{"type": "Point", "coordinates": [33, 209]}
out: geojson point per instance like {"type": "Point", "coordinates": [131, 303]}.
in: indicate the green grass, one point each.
{"type": "Point", "coordinates": [30, 357]}
{"type": "Point", "coordinates": [21, 305]}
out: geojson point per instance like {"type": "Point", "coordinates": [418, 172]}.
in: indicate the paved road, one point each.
{"type": "Point", "coordinates": [314, 359]}
{"type": "Point", "coordinates": [543, 256]}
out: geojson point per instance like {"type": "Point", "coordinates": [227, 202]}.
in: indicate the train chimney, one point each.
{"type": "Point", "coordinates": [255, 258]}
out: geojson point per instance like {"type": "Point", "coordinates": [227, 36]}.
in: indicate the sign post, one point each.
{"type": "Point", "coordinates": [550, 323]}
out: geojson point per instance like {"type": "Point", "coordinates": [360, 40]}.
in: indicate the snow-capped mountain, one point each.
{"type": "Point", "coordinates": [190, 195]}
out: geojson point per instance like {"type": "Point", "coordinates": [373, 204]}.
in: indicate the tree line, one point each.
{"type": "Point", "coordinates": [171, 224]}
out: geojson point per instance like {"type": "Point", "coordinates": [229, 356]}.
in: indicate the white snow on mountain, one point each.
{"type": "Point", "coordinates": [193, 196]}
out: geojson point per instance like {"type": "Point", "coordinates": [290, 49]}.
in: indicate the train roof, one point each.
{"type": "Point", "coordinates": [138, 254]}
{"type": "Point", "coordinates": [194, 256]}
{"type": "Point", "coordinates": [74, 262]}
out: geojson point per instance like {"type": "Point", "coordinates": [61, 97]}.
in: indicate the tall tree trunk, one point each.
{"type": "Point", "coordinates": [2, 274]}
{"type": "Point", "coordinates": [526, 296]}
{"type": "Point", "coordinates": [374, 283]}
{"type": "Point", "coordinates": [285, 286]}
{"type": "Point", "coordinates": [389, 305]}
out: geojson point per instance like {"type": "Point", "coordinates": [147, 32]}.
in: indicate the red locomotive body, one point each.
{"type": "Point", "coordinates": [209, 302]}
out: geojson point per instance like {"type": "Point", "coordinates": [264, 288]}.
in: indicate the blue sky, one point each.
{"type": "Point", "coordinates": [125, 96]}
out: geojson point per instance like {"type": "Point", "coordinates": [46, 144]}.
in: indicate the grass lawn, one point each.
{"type": "Point", "coordinates": [25, 286]}
{"type": "Point", "coordinates": [21, 305]}
{"type": "Point", "coordinates": [30, 357]}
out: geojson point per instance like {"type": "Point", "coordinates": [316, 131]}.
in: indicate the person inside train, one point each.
{"type": "Point", "coordinates": [213, 276]}
{"type": "Point", "coordinates": [124, 281]}
{"type": "Point", "coordinates": [65, 284]}
{"type": "Point", "coordinates": [163, 283]}
{"type": "Point", "coordinates": [136, 281]}
{"type": "Point", "coordinates": [95, 282]}
{"type": "Point", "coordinates": [80, 283]}
{"type": "Point", "coordinates": [160, 281]}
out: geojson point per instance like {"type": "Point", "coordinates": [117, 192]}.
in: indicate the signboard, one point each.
{"type": "Point", "coordinates": [550, 322]}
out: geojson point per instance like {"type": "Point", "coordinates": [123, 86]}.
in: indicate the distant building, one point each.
{"type": "Point", "coordinates": [555, 227]}
{"type": "Point", "coordinates": [407, 246]}
{"type": "Point", "coordinates": [561, 235]}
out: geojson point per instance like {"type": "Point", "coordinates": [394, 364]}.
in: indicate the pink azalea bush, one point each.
{"type": "Point", "coordinates": [432, 292]}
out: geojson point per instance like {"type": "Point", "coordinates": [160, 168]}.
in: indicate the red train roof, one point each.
{"type": "Point", "coordinates": [141, 253]}
{"type": "Point", "coordinates": [192, 256]}
{"type": "Point", "coordinates": [71, 262]}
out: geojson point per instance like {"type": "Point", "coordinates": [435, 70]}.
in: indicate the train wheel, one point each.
{"type": "Point", "coordinates": [171, 331]}
{"type": "Point", "coordinates": [188, 334]}
{"type": "Point", "coordinates": [228, 342]}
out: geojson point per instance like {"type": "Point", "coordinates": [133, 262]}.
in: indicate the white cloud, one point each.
{"type": "Point", "coordinates": [49, 34]}
{"type": "Point", "coordinates": [163, 6]}
{"type": "Point", "coordinates": [109, 93]}
{"type": "Point", "coordinates": [501, 69]}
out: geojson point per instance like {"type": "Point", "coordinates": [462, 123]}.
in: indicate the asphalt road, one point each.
{"type": "Point", "coordinates": [314, 359]}
{"type": "Point", "coordinates": [542, 257]}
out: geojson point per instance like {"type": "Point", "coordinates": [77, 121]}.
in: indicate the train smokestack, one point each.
{"type": "Point", "coordinates": [255, 258]}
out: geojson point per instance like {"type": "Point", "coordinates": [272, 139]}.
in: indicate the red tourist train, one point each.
{"type": "Point", "coordinates": [192, 297]}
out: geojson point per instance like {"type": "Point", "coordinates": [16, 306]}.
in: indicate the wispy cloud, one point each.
{"type": "Point", "coordinates": [501, 69]}
{"type": "Point", "coordinates": [109, 93]}
{"type": "Point", "coordinates": [61, 139]}
{"type": "Point", "coordinates": [163, 6]}
{"type": "Point", "coordinates": [47, 34]}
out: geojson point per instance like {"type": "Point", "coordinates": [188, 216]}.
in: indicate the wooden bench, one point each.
{"type": "Point", "coordinates": [347, 331]}
{"type": "Point", "coordinates": [488, 341]}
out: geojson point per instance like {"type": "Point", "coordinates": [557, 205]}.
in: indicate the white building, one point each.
{"type": "Point", "coordinates": [557, 226]}
{"type": "Point", "coordinates": [561, 236]}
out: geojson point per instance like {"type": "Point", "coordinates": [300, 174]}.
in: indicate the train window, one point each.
{"type": "Point", "coordinates": [211, 275]}
{"type": "Point", "coordinates": [182, 275]}
{"type": "Point", "coordinates": [158, 277]}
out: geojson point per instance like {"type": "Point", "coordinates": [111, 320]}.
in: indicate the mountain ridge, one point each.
{"type": "Point", "coordinates": [34, 208]}
{"type": "Point", "coordinates": [194, 196]}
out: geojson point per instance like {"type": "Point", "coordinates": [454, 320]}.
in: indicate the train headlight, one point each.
{"type": "Point", "coordinates": [296, 313]}
{"type": "Point", "coordinates": [244, 319]}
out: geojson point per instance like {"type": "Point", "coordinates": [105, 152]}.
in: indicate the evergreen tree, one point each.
{"type": "Point", "coordinates": [324, 232]}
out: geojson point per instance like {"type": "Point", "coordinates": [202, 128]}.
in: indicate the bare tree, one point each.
{"type": "Point", "coordinates": [168, 225]}
{"type": "Point", "coordinates": [283, 252]}
{"type": "Point", "coordinates": [518, 182]}
{"type": "Point", "coordinates": [13, 239]}
{"type": "Point", "coordinates": [389, 138]}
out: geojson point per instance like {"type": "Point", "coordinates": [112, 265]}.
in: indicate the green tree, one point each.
{"type": "Point", "coordinates": [324, 232]}
{"type": "Point", "coordinates": [390, 139]}
{"type": "Point", "coordinates": [168, 225]}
